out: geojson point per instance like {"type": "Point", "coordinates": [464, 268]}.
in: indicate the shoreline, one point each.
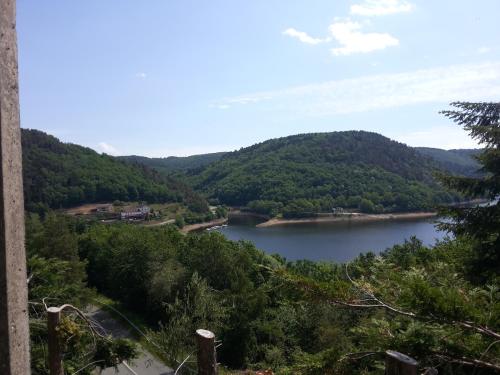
{"type": "Point", "coordinates": [192, 227]}
{"type": "Point", "coordinates": [237, 213]}
{"type": "Point", "coordinates": [354, 217]}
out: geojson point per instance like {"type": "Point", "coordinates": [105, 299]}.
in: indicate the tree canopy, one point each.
{"type": "Point", "coordinates": [175, 163]}
{"type": "Point", "coordinates": [59, 175]}
{"type": "Point", "coordinates": [309, 173]}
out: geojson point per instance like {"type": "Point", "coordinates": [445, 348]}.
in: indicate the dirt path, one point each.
{"type": "Point", "coordinates": [145, 364]}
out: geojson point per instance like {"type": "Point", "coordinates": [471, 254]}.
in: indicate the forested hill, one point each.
{"type": "Point", "coordinates": [60, 174]}
{"type": "Point", "coordinates": [303, 174]}
{"type": "Point", "coordinates": [460, 162]}
{"type": "Point", "coordinates": [175, 163]}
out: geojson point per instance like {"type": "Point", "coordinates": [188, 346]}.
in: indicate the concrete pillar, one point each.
{"type": "Point", "coordinates": [14, 331]}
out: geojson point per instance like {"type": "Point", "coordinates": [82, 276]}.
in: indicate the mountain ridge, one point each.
{"type": "Point", "coordinates": [174, 163]}
{"type": "Point", "coordinates": [292, 175]}
{"type": "Point", "coordinates": [310, 173]}
{"type": "Point", "coordinates": [58, 175]}
{"type": "Point", "coordinates": [456, 161]}
{"type": "Point", "coordinates": [459, 161]}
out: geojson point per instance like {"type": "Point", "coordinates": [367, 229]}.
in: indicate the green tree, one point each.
{"type": "Point", "coordinates": [480, 222]}
{"type": "Point", "coordinates": [198, 306]}
{"type": "Point", "coordinates": [179, 221]}
{"type": "Point", "coordinates": [367, 206]}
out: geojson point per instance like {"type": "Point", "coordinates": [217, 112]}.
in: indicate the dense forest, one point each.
{"type": "Point", "coordinates": [175, 163]}
{"type": "Point", "coordinates": [439, 304]}
{"type": "Point", "coordinates": [304, 174]}
{"type": "Point", "coordinates": [460, 162]}
{"type": "Point", "coordinates": [59, 175]}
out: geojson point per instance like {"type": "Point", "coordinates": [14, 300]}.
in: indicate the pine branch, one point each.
{"type": "Point", "coordinates": [309, 287]}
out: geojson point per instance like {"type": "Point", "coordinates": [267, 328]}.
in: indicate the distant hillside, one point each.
{"type": "Point", "coordinates": [303, 174]}
{"type": "Point", "coordinates": [60, 174]}
{"type": "Point", "coordinates": [175, 163]}
{"type": "Point", "coordinates": [454, 161]}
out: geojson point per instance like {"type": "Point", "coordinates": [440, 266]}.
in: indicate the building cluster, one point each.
{"type": "Point", "coordinates": [140, 213]}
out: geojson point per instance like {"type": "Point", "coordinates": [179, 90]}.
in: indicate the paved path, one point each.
{"type": "Point", "coordinates": [145, 364]}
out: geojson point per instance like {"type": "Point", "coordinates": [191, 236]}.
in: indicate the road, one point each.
{"type": "Point", "coordinates": [166, 222]}
{"type": "Point", "coordinates": [145, 364]}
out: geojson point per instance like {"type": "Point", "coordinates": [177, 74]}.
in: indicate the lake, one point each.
{"type": "Point", "coordinates": [338, 242]}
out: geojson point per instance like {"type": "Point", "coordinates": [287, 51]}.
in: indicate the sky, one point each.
{"type": "Point", "coordinates": [182, 77]}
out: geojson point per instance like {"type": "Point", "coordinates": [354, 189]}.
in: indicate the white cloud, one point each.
{"type": "Point", "coordinates": [107, 149]}
{"type": "Point", "coordinates": [348, 34]}
{"type": "Point", "coordinates": [302, 36]}
{"type": "Point", "coordinates": [435, 85]}
{"type": "Point", "coordinates": [371, 8]}
{"type": "Point", "coordinates": [447, 137]}
{"type": "Point", "coordinates": [483, 50]}
{"type": "Point", "coordinates": [141, 75]}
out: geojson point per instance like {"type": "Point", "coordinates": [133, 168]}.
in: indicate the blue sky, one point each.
{"type": "Point", "coordinates": [181, 77]}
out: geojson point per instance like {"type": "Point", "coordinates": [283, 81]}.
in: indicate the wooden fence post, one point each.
{"type": "Point", "coordinates": [55, 354]}
{"type": "Point", "coordinates": [399, 364]}
{"type": "Point", "coordinates": [207, 359]}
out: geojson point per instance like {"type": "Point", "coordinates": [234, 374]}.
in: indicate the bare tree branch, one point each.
{"type": "Point", "coordinates": [359, 355]}
{"type": "Point", "coordinates": [182, 364]}
{"type": "Point", "coordinates": [469, 362]}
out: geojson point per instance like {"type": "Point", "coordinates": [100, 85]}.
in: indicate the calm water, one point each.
{"type": "Point", "coordinates": [331, 241]}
